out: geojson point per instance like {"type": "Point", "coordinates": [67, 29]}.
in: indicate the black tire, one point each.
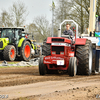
{"type": "Point", "coordinates": [72, 69]}
{"type": "Point", "coordinates": [9, 53]}
{"type": "Point", "coordinates": [84, 56]}
{"type": "Point", "coordinates": [94, 58]}
{"type": "Point", "coordinates": [26, 48]}
{"type": "Point", "coordinates": [42, 67]}
{"type": "Point", "coordinates": [1, 56]}
{"type": "Point", "coordinates": [46, 49]}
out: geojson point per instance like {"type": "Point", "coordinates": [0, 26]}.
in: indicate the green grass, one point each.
{"type": "Point", "coordinates": [12, 62]}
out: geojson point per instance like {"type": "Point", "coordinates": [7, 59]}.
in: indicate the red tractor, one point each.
{"type": "Point", "coordinates": [66, 54]}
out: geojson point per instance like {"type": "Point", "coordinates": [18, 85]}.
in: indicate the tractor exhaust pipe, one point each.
{"type": "Point", "coordinates": [59, 33]}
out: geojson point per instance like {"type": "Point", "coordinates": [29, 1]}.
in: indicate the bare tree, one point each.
{"type": "Point", "coordinates": [42, 29]}
{"type": "Point", "coordinates": [76, 10]}
{"type": "Point", "coordinates": [5, 19]}
{"type": "Point", "coordinates": [98, 7]}
{"type": "Point", "coordinates": [15, 16]}
{"type": "Point", "coordinates": [81, 13]}
{"type": "Point", "coordinates": [31, 29]}
{"type": "Point", "coordinates": [19, 13]}
{"type": "Point", "coordinates": [62, 10]}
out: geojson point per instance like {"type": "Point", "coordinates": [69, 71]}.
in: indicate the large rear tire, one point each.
{"type": "Point", "coordinates": [46, 49]}
{"type": "Point", "coordinates": [9, 53]}
{"type": "Point", "coordinates": [42, 67]}
{"type": "Point", "coordinates": [84, 56]}
{"type": "Point", "coordinates": [26, 51]}
{"type": "Point", "coordinates": [72, 69]}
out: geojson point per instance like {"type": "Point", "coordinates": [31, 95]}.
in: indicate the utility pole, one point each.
{"type": "Point", "coordinates": [92, 15]}
{"type": "Point", "coordinates": [53, 7]}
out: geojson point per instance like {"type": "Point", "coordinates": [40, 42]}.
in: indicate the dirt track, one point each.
{"type": "Point", "coordinates": [28, 77]}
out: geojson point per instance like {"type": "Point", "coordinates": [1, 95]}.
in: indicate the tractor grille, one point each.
{"type": "Point", "coordinates": [57, 40]}
{"type": "Point", "coordinates": [1, 44]}
{"type": "Point", "coordinates": [58, 49]}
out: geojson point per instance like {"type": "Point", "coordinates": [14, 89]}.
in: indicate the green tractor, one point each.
{"type": "Point", "coordinates": [13, 45]}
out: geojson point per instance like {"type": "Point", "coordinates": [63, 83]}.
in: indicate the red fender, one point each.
{"type": "Point", "coordinates": [80, 41]}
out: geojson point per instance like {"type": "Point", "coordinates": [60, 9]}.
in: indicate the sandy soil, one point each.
{"type": "Point", "coordinates": [27, 84]}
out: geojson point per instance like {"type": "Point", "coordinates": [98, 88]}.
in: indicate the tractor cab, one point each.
{"type": "Point", "coordinates": [7, 33]}
{"type": "Point", "coordinates": [11, 34]}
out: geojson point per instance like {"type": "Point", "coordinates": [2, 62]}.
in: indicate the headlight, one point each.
{"type": "Point", "coordinates": [53, 52]}
{"type": "Point", "coordinates": [62, 53]}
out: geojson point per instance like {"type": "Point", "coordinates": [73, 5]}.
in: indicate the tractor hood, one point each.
{"type": "Point", "coordinates": [78, 41]}
{"type": "Point", "coordinates": [3, 43]}
{"type": "Point", "coordinates": [58, 39]}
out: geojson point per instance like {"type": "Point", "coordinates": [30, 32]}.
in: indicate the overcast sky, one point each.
{"type": "Point", "coordinates": [34, 7]}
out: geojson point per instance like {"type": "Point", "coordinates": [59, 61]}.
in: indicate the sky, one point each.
{"type": "Point", "coordinates": [34, 7]}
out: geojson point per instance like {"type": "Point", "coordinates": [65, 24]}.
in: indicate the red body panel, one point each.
{"type": "Point", "coordinates": [49, 40]}
{"type": "Point", "coordinates": [59, 58]}
{"type": "Point", "coordinates": [51, 62]}
{"type": "Point", "coordinates": [80, 41]}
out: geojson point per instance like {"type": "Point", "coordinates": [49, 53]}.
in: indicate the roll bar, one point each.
{"type": "Point", "coordinates": [59, 30]}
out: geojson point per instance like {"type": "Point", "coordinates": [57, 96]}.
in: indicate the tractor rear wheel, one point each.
{"type": "Point", "coordinates": [72, 69]}
{"type": "Point", "coordinates": [84, 56]}
{"type": "Point", "coordinates": [26, 51]}
{"type": "Point", "coordinates": [46, 49]}
{"type": "Point", "coordinates": [9, 53]}
{"type": "Point", "coordinates": [42, 67]}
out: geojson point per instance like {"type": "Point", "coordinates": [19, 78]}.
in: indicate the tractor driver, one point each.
{"type": "Point", "coordinates": [68, 31]}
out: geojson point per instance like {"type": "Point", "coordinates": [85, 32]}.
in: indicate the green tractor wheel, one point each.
{"type": "Point", "coordinates": [26, 51]}
{"type": "Point", "coordinates": [9, 53]}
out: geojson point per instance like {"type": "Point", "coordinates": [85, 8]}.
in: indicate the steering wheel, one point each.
{"type": "Point", "coordinates": [67, 36]}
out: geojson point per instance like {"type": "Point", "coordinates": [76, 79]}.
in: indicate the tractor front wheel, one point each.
{"type": "Point", "coordinates": [72, 69]}
{"type": "Point", "coordinates": [9, 53]}
{"type": "Point", "coordinates": [26, 51]}
{"type": "Point", "coordinates": [42, 67]}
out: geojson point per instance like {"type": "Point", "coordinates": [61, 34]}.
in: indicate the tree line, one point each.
{"type": "Point", "coordinates": [77, 10]}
